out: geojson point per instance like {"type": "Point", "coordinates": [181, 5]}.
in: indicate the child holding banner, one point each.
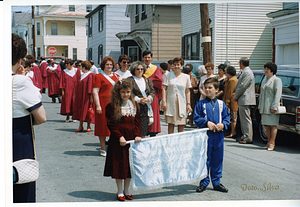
{"type": "Point", "coordinates": [124, 123]}
{"type": "Point", "coordinates": [212, 113]}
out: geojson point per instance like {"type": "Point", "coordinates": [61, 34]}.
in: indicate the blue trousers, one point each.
{"type": "Point", "coordinates": [214, 163]}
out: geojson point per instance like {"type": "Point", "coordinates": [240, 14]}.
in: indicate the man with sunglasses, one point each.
{"type": "Point", "coordinates": [123, 72]}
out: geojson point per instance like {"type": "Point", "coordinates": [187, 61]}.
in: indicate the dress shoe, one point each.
{"type": "Point", "coordinates": [245, 142]}
{"type": "Point", "coordinates": [271, 147]}
{"type": "Point", "coordinates": [102, 153]}
{"type": "Point", "coordinates": [88, 130]}
{"type": "Point", "coordinates": [201, 188]}
{"type": "Point", "coordinates": [120, 198]}
{"type": "Point", "coordinates": [221, 188]}
{"type": "Point", "coordinates": [128, 197]}
{"type": "Point", "coordinates": [79, 130]}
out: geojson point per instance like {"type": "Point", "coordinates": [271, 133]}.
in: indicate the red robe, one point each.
{"type": "Point", "coordinates": [83, 91]}
{"type": "Point", "coordinates": [43, 70]}
{"type": "Point", "coordinates": [154, 73]}
{"type": "Point", "coordinates": [53, 77]}
{"type": "Point", "coordinates": [38, 78]}
{"type": "Point", "coordinates": [68, 82]}
{"type": "Point", "coordinates": [32, 75]}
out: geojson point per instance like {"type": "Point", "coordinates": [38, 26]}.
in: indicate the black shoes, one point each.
{"type": "Point", "coordinates": [220, 188]}
{"type": "Point", "coordinates": [201, 188]}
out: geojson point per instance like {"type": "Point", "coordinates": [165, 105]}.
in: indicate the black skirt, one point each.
{"type": "Point", "coordinates": [23, 149]}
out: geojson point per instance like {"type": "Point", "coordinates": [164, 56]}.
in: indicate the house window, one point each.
{"type": "Point", "coordinates": [89, 8]}
{"type": "Point", "coordinates": [136, 13]}
{"type": "Point", "coordinates": [71, 7]}
{"type": "Point", "coordinates": [74, 53]}
{"type": "Point", "coordinates": [133, 53]}
{"type": "Point", "coordinates": [191, 46]}
{"type": "Point", "coordinates": [22, 34]}
{"type": "Point", "coordinates": [38, 53]}
{"type": "Point", "coordinates": [90, 54]}
{"type": "Point", "coordinates": [90, 26]}
{"type": "Point", "coordinates": [38, 28]}
{"type": "Point", "coordinates": [100, 54]}
{"type": "Point", "coordinates": [100, 25]}
{"type": "Point", "coordinates": [144, 15]}
{"type": "Point", "coordinates": [53, 28]}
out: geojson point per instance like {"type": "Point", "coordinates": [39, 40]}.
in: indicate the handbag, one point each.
{"type": "Point", "coordinates": [281, 109]}
{"type": "Point", "coordinates": [91, 112]}
{"type": "Point", "coordinates": [26, 170]}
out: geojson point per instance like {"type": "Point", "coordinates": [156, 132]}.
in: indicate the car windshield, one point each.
{"type": "Point", "coordinates": [290, 85]}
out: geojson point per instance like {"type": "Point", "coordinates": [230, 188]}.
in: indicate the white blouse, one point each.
{"type": "Point", "coordinates": [26, 97]}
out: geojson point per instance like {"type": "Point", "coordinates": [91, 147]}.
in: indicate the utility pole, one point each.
{"type": "Point", "coordinates": [33, 32]}
{"type": "Point", "coordinates": [205, 31]}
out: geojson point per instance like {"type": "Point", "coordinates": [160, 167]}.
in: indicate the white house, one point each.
{"type": "Point", "coordinates": [104, 22]}
{"type": "Point", "coordinates": [62, 27]}
{"type": "Point", "coordinates": [286, 33]}
{"type": "Point", "coordinates": [237, 30]}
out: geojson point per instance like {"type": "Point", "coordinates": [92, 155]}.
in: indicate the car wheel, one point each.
{"type": "Point", "coordinates": [263, 132]}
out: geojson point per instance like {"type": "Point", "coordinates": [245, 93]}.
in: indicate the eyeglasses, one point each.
{"type": "Point", "coordinates": [125, 62]}
{"type": "Point", "coordinates": [139, 69]}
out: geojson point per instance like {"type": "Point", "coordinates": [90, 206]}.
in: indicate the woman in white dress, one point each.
{"type": "Point", "coordinates": [176, 97]}
{"type": "Point", "coordinates": [269, 100]}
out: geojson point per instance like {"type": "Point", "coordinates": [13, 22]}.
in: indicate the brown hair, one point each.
{"type": "Point", "coordinates": [104, 61]}
{"type": "Point", "coordinates": [28, 63]}
{"type": "Point", "coordinates": [18, 48]}
{"type": "Point", "coordinates": [86, 64]}
{"type": "Point", "coordinates": [116, 100]}
{"type": "Point", "coordinates": [209, 64]}
{"type": "Point", "coordinates": [123, 57]}
{"type": "Point", "coordinates": [178, 59]}
{"type": "Point", "coordinates": [213, 81]}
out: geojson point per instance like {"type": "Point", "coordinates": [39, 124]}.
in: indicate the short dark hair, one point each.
{"type": "Point", "coordinates": [272, 67]}
{"type": "Point", "coordinates": [146, 52]}
{"type": "Point", "coordinates": [231, 70]}
{"type": "Point", "coordinates": [222, 66]}
{"type": "Point", "coordinates": [164, 66]}
{"type": "Point", "coordinates": [134, 65]}
{"type": "Point", "coordinates": [19, 49]}
{"type": "Point", "coordinates": [213, 81]}
{"type": "Point", "coordinates": [86, 64]}
{"type": "Point", "coordinates": [28, 63]}
{"type": "Point", "coordinates": [179, 59]}
{"type": "Point", "coordinates": [69, 61]}
{"type": "Point", "coordinates": [190, 65]}
{"type": "Point", "coordinates": [92, 62]}
{"type": "Point", "coordinates": [123, 57]}
{"type": "Point", "coordinates": [42, 58]}
{"type": "Point", "coordinates": [170, 62]}
{"type": "Point", "coordinates": [187, 70]}
{"type": "Point", "coordinates": [244, 61]}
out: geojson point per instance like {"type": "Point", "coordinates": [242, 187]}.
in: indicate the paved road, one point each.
{"type": "Point", "coordinates": [71, 169]}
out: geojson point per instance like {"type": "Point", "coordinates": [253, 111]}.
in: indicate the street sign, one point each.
{"type": "Point", "coordinates": [52, 51]}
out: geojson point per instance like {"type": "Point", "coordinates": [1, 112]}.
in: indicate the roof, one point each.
{"type": "Point", "coordinates": [63, 14]}
{"type": "Point", "coordinates": [20, 18]}
{"type": "Point", "coordinates": [94, 11]}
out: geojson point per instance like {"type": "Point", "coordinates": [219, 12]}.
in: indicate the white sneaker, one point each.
{"type": "Point", "coordinates": [103, 153]}
{"type": "Point", "coordinates": [74, 121]}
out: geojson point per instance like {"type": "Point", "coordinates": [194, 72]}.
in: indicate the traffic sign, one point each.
{"type": "Point", "coordinates": [52, 51]}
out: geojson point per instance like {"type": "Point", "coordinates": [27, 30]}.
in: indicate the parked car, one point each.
{"type": "Point", "coordinates": [57, 59]}
{"type": "Point", "coordinates": [290, 121]}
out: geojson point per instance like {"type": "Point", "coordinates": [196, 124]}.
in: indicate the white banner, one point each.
{"type": "Point", "coordinates": [169, 160]}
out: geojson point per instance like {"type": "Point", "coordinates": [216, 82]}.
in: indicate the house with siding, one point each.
{"type": "Point", "coordinates": [156, 27]}
{"type": "Point", "coordinates": [104, 22]}
{"type": "Point", "coordinates": [285, 23]}
{"type": "Point", "coordinates": [237, 30]}
{"type": "Point", "coordinates": [62, 27]}
{"type": "Point", "coordinates": [19, 26]}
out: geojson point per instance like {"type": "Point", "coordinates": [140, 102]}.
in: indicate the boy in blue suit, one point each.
{"type": "Point", "coordinates": [212, 113]}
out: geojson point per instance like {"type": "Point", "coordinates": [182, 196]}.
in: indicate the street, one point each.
{"type": "Point", "coordinates": [71, 169]}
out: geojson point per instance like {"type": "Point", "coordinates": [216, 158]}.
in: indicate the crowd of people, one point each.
{"type": "Point", "coordinates": [127, 98]}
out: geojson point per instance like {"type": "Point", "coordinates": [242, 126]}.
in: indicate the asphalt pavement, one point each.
{"type": "Point", "coordinates": [71, 170]}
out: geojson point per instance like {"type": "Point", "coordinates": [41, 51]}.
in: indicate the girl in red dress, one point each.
{"type": "Point", "coordinates": [102, 86]}
{"type": "Point", "coordinates": [124, 123]}
{"type": "Point", "coordinates": [84, 97]}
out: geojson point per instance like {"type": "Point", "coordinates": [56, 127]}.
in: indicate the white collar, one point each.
{"type": "Point", "coordinates": [53, 67]}
{"type": "Point", "coordinates": [84, 75]}
{"type": "Point", "coordinates": [71, 72]}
